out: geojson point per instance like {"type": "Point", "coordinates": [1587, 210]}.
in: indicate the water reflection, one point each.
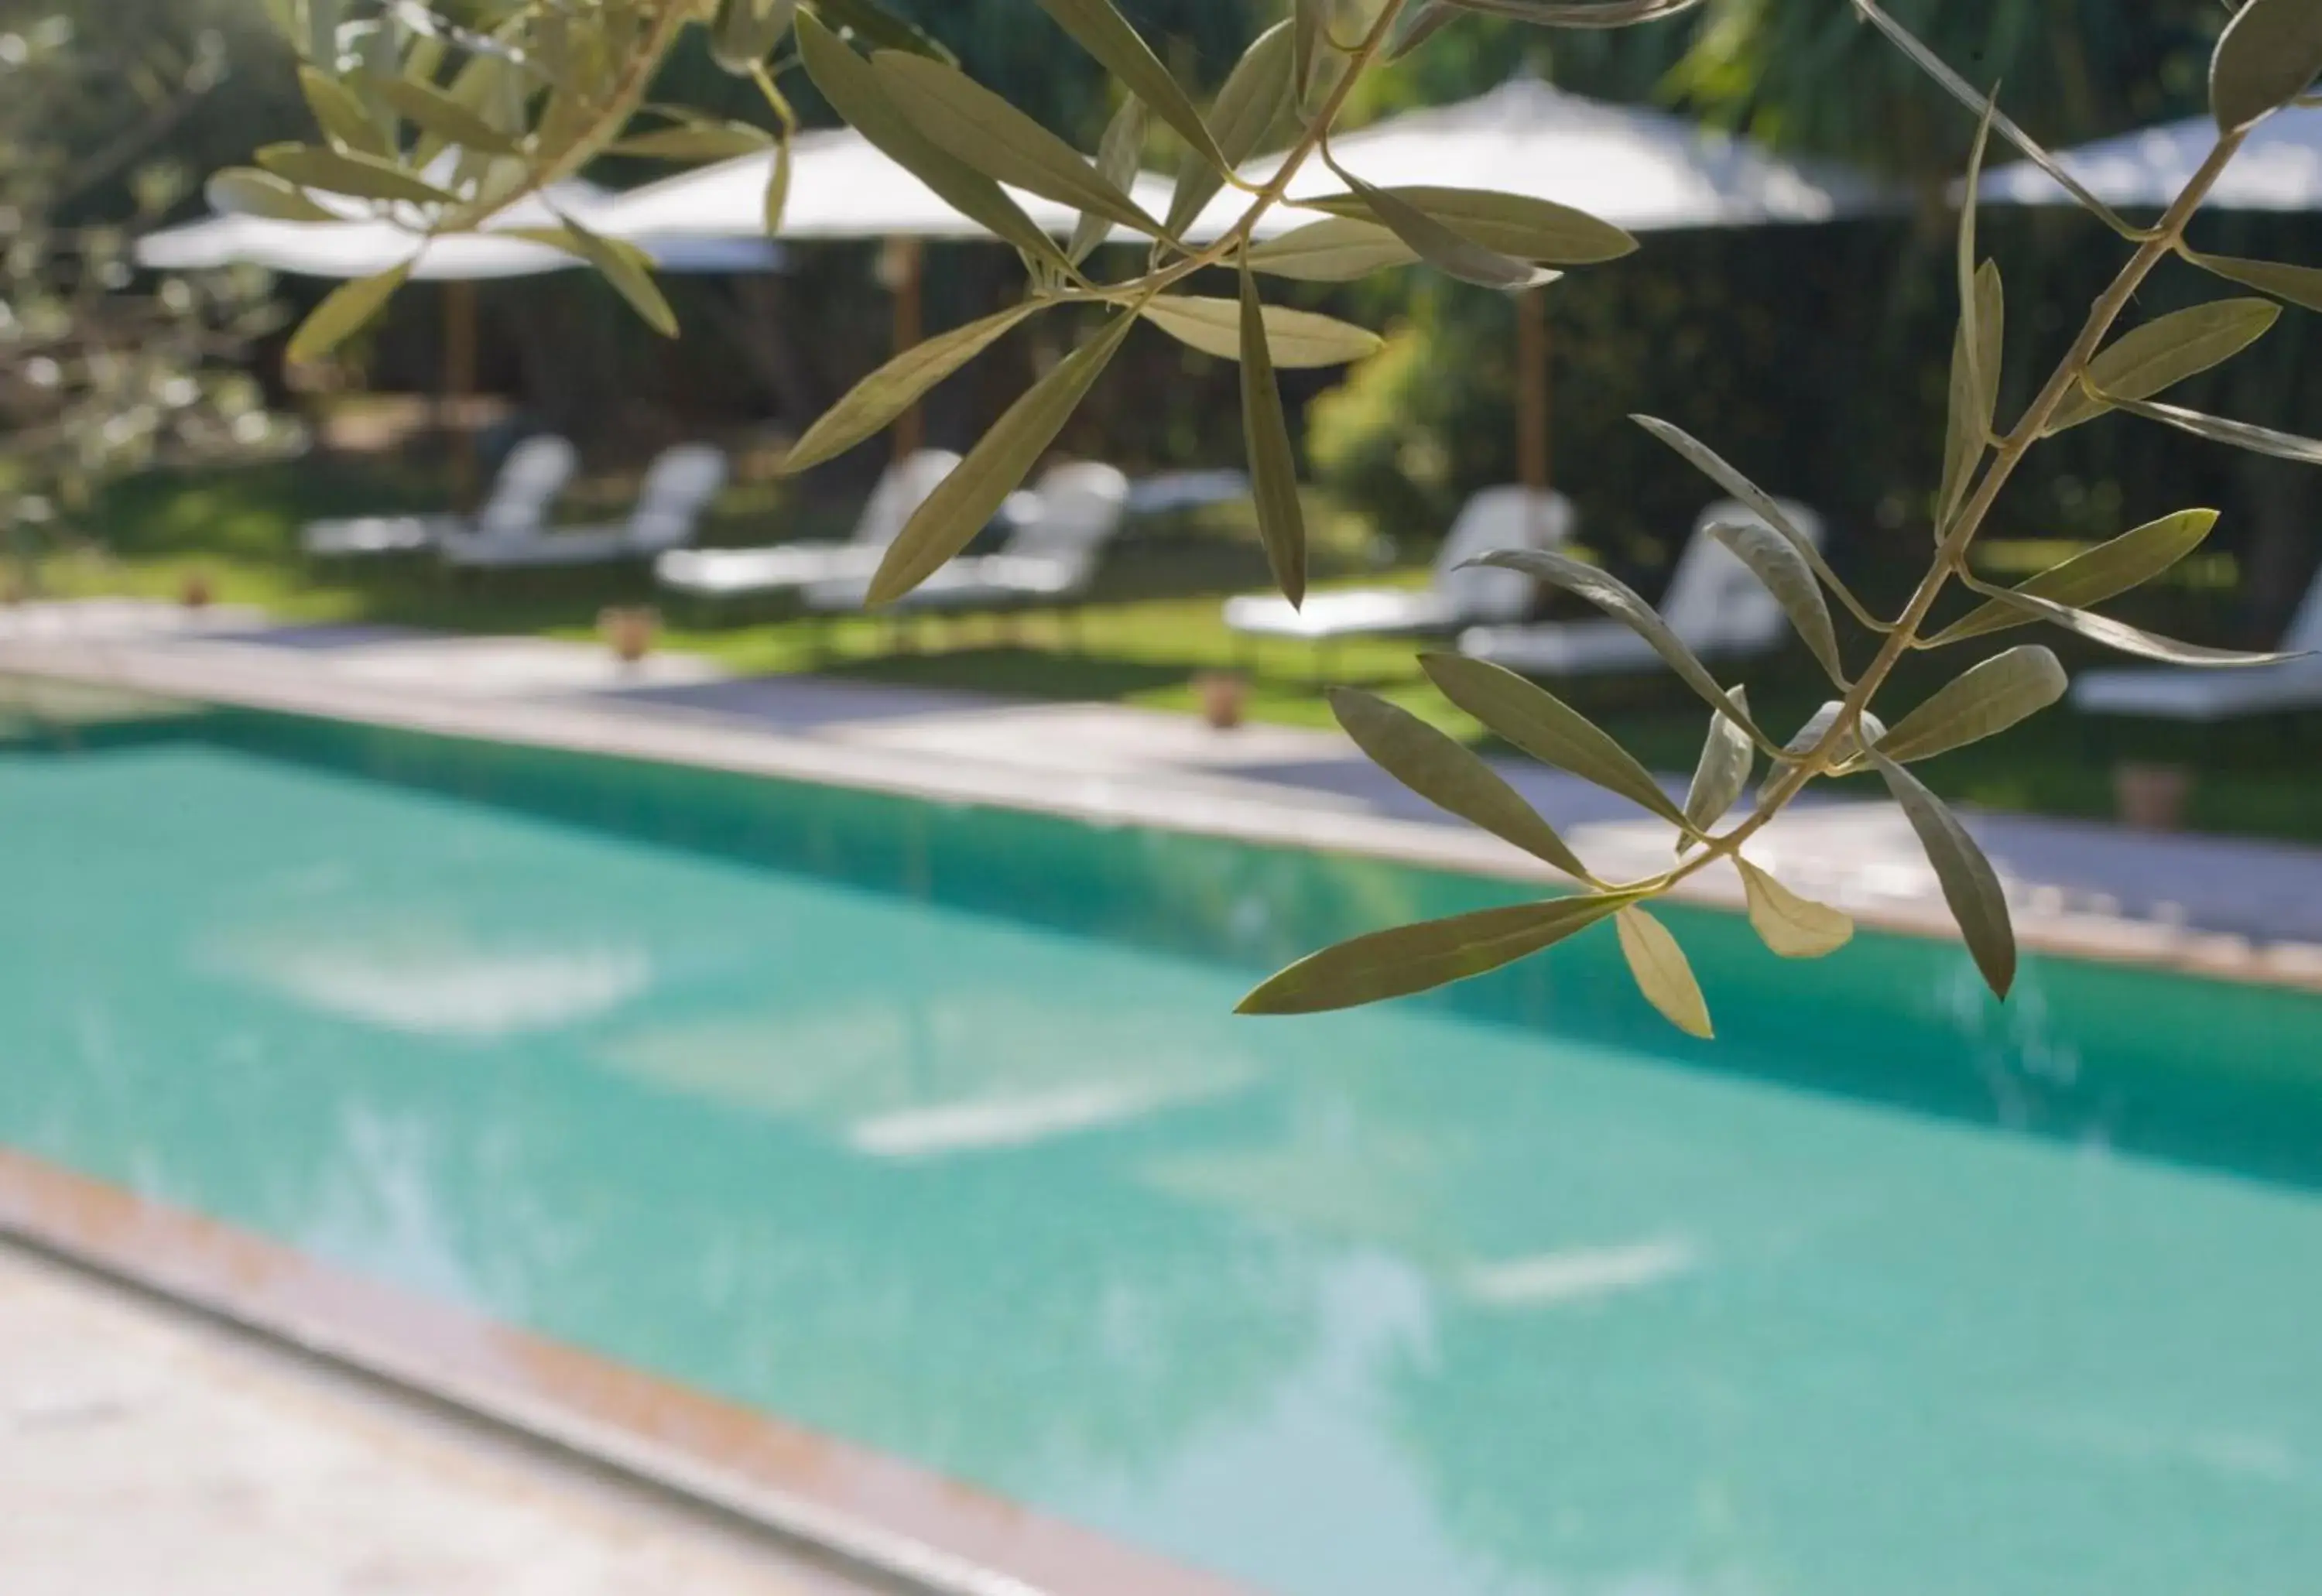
{"type": "Point", "coordinates": [438, 980]}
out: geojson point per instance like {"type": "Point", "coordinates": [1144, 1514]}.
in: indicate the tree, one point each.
{"type": "Point", "coordinates": [95, 380]}
{"type": "Point", "coordinates": [516, 93]}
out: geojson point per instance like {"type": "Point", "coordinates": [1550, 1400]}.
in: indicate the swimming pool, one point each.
{"type": "Point", "coordinates": [931, 1127]}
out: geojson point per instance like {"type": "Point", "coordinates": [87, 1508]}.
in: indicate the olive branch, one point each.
{"type": "Point", "coordinates": [542, 86]}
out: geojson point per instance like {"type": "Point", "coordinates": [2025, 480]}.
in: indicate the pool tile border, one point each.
{"type": "Point", "coordinates": [866, 1514]}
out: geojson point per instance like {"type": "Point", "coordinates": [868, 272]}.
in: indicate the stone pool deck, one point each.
{"type": "Point", "coordinates": [146, 1450]}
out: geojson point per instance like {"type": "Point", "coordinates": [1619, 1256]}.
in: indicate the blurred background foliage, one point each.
{"type": "Point", "coordinates": [1813, 357]}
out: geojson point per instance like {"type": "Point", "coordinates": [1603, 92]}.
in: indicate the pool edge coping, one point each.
{"type": "Point", "coordinates": [575, 724]}
{"type": "Point", "coordinates": [748, 1467]}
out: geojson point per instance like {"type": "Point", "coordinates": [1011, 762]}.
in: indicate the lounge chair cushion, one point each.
{"type": "Point", "coordinates": [1569, 648]}
{"type": "Point", "coordinates": [1351, 612]}
{"type": "Point", "coordinates": [377, 535]}
{"type": "Point", "coordinates": [727, 573]}
{"type": "Point", "coordinates": [2182, 693]}
{"type": "Point", "coordinates": [1713, 602]}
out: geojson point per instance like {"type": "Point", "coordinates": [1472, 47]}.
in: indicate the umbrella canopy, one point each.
{"type": "Point", "coordinates": [1636, 168]}
{"type": "Point", "coordinates": [2279, 168]}
{"type": "Point", "coordinates": [842, 187]}
{"type": "Point", "coordinates": [365, 243]}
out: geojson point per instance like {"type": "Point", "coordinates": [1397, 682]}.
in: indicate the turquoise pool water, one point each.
{"type": "Point", "coordinates": [931, 1127]}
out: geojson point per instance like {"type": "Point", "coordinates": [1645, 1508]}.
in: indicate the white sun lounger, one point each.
{"type": "Point", "coordinates": [1496, 518]}
{"type": "Point", "coordinates": [2179, 692]}
{"type": "Point", "coordinates": [1051, 557]}
{"type": "Point", "coordinates": [786, 568]}
{"type": "Point", "coordinates": [1720, 609]}
{"type": "Point", "coordinates": [678, 486]}
{"type": "Point", "coordinates": [534, 473]}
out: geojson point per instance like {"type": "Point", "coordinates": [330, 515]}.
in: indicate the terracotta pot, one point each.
{"type": "Point", "coordinates": [629, 631]}
{"type": "Point", "coordinates": [1222, 695]}
{"type": "Point", "coordinates": [2151, 798]}
{"type": "Point", "coordinates": [195, 592]}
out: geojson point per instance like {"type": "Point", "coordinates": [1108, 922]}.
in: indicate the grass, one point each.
{"type": "Point", "coordinates": [1154, 630]}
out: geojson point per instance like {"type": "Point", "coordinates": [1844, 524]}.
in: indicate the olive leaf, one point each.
{"type": "Point", "coordinates": [1117, 155]}
{"type": "Point", "coordinates": [322, 30]}
{"type": "Point", "coordinates": [879, 397]}
{"type": "Point", "coordinates": [2109, 569]}
{"type": "Point", "coordinates": [442, 118]}
{"type": "Point", "coordinates": [2120, 634]}
{"type": "Point", "coordinates": [341, 115]}
{"type": "Point", "coordinates": [2300, 285]}
{"type": "Point", "coordinates": [1432, 954]}
{"type": "Point", "coordinates": [1336, 250]}
{"type": "Point", "coordinates": [1106, 34]}
{"type": "Point", "coordinates": [1310, 22]}
{"type": "Point", "coordinates": [357, 176]}
{"type": "Point", "coordinates": [2238, 435]}
{"type": "Point", "coordinates": [1982, 702]}
{"type": "Point", "coordinates": [2141, 363]}
{"type": "Point", "coordinates": [342, 313]}
{"type": "Point", "coordinates": [1547, 728]}
{"type": "Point", "coordinates": [880, 29]}
{"type": "Point", "coordinates": [1273, 468]}
{"type": "Point", "coordinates": [778, 185]}
{"type": "Point", "coordinates": [965, 500]}
{"type": "Point", "coordinates": [1791, 926]}
{"type": "Point", "coordinates": [1516, 225]}
{"type": "Point", "coordinates": [852, 89]}
{"type": "Point", "coordinates": [1254, 99]}
{"type": "Point", "coordinates": [2267, 57]}
{"type": "Point", "coordinates": [1662, 972]}
{"type": "Point", "coordinates": [744, 33]}
{"type": "Point", "coordinates": [245, 191]}
{"type": "Point", "coordinates": [1777, 564]}
{"type": "Point", "coordinates": [955, 112]}
{"type": "Point", "coordinates": [1617, 600]}
{"type": "Point", "coordinates": [695, 141]}
{"type": "Point", "coordinates": [1294, 338]}
{"type": "Point", "coordinates": [1442, 247]}
{"type": "Point", "coordinates": [1971, 203]}
{"type": "Point", "coordinates": [1448, 774]}
{"type": "Point", "coordinates": [1714, 466]}
{"type": "Point", "coordinates": [1976, 355]}
{"type": "Point", "coordinates": [630, 272]}
{"type": "Point", "coordinates": [1421, 21]}
{"type": "Point", "coordinates": [1958, 88]}
{"type": "Point", "coordinates": [1579, 14]}
{"type": "Point", "coordinates": [1970, 885]}
{"type": "Point", "coordinates": [1727, 757]}
{"type": "Point", "coordinates": [1817, 726]}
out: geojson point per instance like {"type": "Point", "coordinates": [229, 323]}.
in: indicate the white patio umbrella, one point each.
{"type": "Point", "coordinates": [1630, 165]}
{"type": "Point", "coordinates": [2279, 168]}
{"type": "Point", "coordinates": [367, 242]}
{"type": "Point", "coordinates": [1639, 169]}
{"type": "Point", "coordinates": [841, 187]}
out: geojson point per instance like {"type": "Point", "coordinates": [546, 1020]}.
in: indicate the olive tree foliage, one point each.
{"type": "Point", "coordinates": [442, 120]}
{"type": "Point", "coordinates": [97, 379]}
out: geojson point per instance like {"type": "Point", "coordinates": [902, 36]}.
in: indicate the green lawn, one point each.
{"type": "Point", "coordinates": [1154, 631]}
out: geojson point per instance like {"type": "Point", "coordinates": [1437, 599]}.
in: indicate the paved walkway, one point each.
{"type": "Point", "coordinates": [145, 1453]}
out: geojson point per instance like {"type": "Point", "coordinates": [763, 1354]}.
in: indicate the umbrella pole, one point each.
{"type": "Point", "coordinates": [910, 280]}
{"type": "Point", "coordinates": [459, 382]}
{"type": "Point", "coordinates": [1532, 388]}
